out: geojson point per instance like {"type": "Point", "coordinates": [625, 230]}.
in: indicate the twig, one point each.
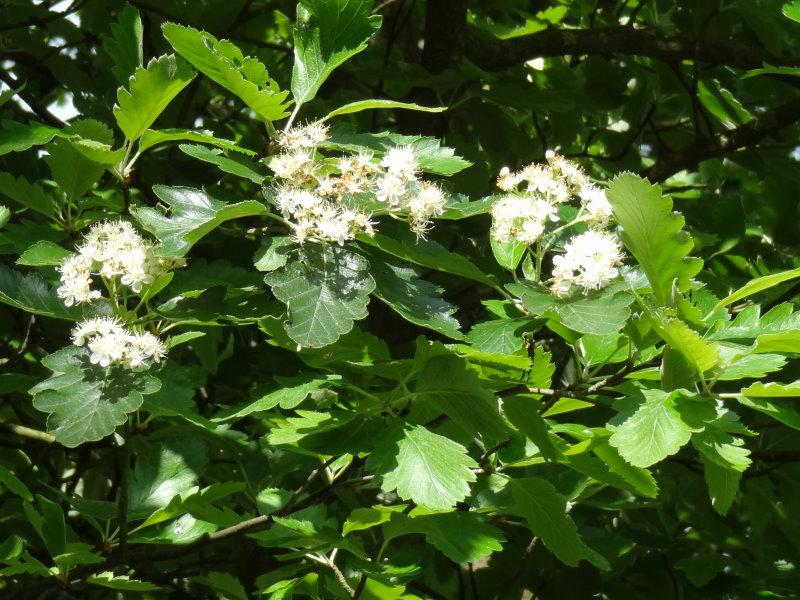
{"type": "Point", "coordinates": [33, 434]}
{"type": "Point", "coordinates": [125, 466]}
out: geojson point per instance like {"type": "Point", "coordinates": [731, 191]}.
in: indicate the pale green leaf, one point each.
{"type": "Point", "coordinates": [328, 32]}
{"type": "Point", "coordinates": [780, 412]}
{"type": "Point", "coordinates": [462, 537]}
{"type": "Point", "coordinates": [75, 167]}
{"type": "Point", "coordinates": [273, 253]}
{"type": "Point", "coordinates": [86, 402]}
{"type": "Point", "coordinates": [222, 62]}
{"type": "Point", "coordinates": [358, 106]}
{"type": "Point", "coordinates": [430, 469]}
{"type": "Point", "coordinates": [772, 390]}
{"type": "Point", "coordinates": [754, 286]}
{"type": "Point", "coordinates": [508, 254]}
{"type": "Point", "coordinates": [501, 336]}
{"type": "Point", "coordinates": [124, 46]}
{"type": "Point", "coordinates": [43, 254]}
{"type": "Point", "coordinates": [153, 137]}
{"type": "Point", "coordinates": [17, 137]}
{"type": "Point", "coordinates": [653, 234]}
{"type": "Point", "coordinates": [654, 431]}
{"type": "Point", "coordinates": [193, 214]}
{"type": "Point", "coordinates": [107, 579]}
{"type": "Point", "coordinates": [792, 10]}
{"type": "Point", "coordinates": [325, 289]}
{"type": "Point", "coordinates": [701, 354]}
{"type": "Point", "coordinates": [723, 485]}
{"type": "Point", "coordinates": [786, 342]}
{"type": "Point", "coordinates": [149, 92]}
{"type": "Point", "coordinates": [241, 167]}
{"type": "Point", "coordinates": [289, 395]}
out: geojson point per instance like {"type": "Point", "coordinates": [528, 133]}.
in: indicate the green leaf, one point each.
{"type": "Point", "coordinates": [723, 484]}
{"type": "Point", "coordinates": [29, 195]}
{"type": "Point", "coordinates": [447, 385]}
{"type": "Point", "coordinates": [462, 537]}
{"type": "Point", "coordinates": [784, 414]}
{"type": "Point", "coordinates": [241, 167]}
{"type": "Point", "coordinates": [124, 46]}
{"type": "Point", "coordinates": [14, 485]}
{"type": "Point", "coordinates": [638, 478]}
{"type": "Point", "coordinates": [107, 579]}
{"type": "Point", "coordinates": [414, 299]}
{"type": "Point", "coordinates": [500, 336]}
{"type": "Point", "coordinates": [366, 518]}
{"type": "Point", "coordinates": [652, 234]}
{"type": "Point", "coordinates": [791, 10]}
{"type": "Point", "coordinates": [32, 294]}
{"type": "Point", "coordinates": [328, 32]}
{"type": "Point", "coordinates": [163, 471]}
{"type": "Point", "coordinates": [654, 431]}
{"type": "Point", "coordinates": [43, 254]}
{"type": "Point", "coordinates": [545, 511]}
{"type": "Point", "coordinates": [5, 215]}
{"type": "Point", "coordinates": [772, 390]}
{"type": "Point", "coordinates": [523, 412]}
{"type": "Point", "coordinates": [701, 354]}
{"type": "Point", "coordinates": [354, 107]}
{"type": "Point", "coordinates": [17, 137]}
{"type": "Point", "coordinates": [325, 289]}
{"type": "Point", "coordinates": [786, 342]}
{"type": "Point", "coordinates": [273, 253]}
{"type": "Point", "coordinates": [150, 90]}
{"type": "Point", "coordinates": [759, 284]}
{"type": "Point", "coordinates": [153, 137]}
{"type": "Point", "coordinates": [225, 584]}
{"type": "Point", "coordinates": [289, 395]}
{"type": "Point", "coordinates": [602, 313]}
{"type": "Point", "coordinates": [85, 402]}
{"type": "Point", "coordinates": [193, 214]}
{"type": "Point", "coordinates": [399, 241]}
{"type": "Point", "coordinates": [432, 156]}
{"type": "Point", "coordinates": [430, 469]}
{"type": "Point", "coordinates": [508, 254]}
{"type": "Point", "coordinates": [74, 166]}
{"type": "Point", "coordinates": [222, 62]}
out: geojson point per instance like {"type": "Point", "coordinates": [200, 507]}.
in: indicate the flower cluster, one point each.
{"type": "Point", "coordinates": [332, 199]}
{"type": "Point", "coordinates": [533, 198]}
{"type": "Point", "coordinates": [114, 251]}
{"type": "Point", "coordinates": [590, 261]}
{"type": "Point", "coordinates": [110, 342]}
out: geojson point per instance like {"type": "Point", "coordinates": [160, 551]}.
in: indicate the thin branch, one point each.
{"type": "Point", "coordinates": [27, 432]}
{"type": "Point", "coordinates": [727, 142]}
{"type": "Point", "coordinates": [40, 109]}
{"type": "Point", "coordinates": [498, 55]}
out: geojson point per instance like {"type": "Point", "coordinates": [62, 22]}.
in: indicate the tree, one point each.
{"type": "Point", "coordinates": [436, 299]}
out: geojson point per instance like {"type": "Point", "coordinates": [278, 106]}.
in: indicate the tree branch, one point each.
{"type": "Point", "coordinates": [41, 110]}
{"type": "Point", "coordinates": [498, 55]}
{"type": "Point", "coordinates": [727, 142]}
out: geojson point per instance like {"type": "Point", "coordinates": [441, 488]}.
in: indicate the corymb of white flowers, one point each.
{"type": "Point", "coordinates": [110, 342]}
{"type": "Point", "coordinates": [327, 199]}
{"type": "Point", "coordinates": [125, 263]}
{"type": "Point", "coordinates": [529, 213]}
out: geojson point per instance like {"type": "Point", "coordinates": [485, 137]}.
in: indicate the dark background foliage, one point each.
{"type": "Point", "coordinates": [655, 87]}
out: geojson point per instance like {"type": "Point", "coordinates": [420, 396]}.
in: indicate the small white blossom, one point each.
{"type": "Point", "coordinates": [304, 136]}
{"type": "Point", "coordinates": [76, 281]}
{"type": "Point", "coordinates": [596, 202]}
{"type": "Point", "coordinates": [292, 165]}
{"type": "Point", "coordinates": [109, 342]}
{"type": "Point", "coordinates": [401, 162]}
{"type": "Point", "coordinates": [523, 218]}
{"type": "Point", "coordinates": [589, 261]}
{"type": "Point", "coordinates": [390, 189]}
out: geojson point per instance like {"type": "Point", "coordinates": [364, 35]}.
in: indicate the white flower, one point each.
{"type": "Point", "coordinates": [99, 326]}
{"type": "Point", "coordinates": [401, 162]}
{"type": "Point", "coordinates": [390, 189]}
{"type": "Point", "coordinates": [109, 342]}
{"type": "Point", "coordinates": [507, 180]}
{"type": "Point", "coordinates": [76, 281]}
{"type": "Point", "coordinates": [305, 136]}
{"type": "Point", "coordinates": [107, 349]}
{"type": "Point", "coordinates": [429, 201]}
{"type": "Point", "coordinates": [335, 228]}
{"type": "Point", "coordinates": [523, 218]}
{"type": "Point", "coordinates": [292, 165]}
{"type": "Point", "coordinates": [596, 202]}
{"type": "Point", "coordinates": [590, 261]}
